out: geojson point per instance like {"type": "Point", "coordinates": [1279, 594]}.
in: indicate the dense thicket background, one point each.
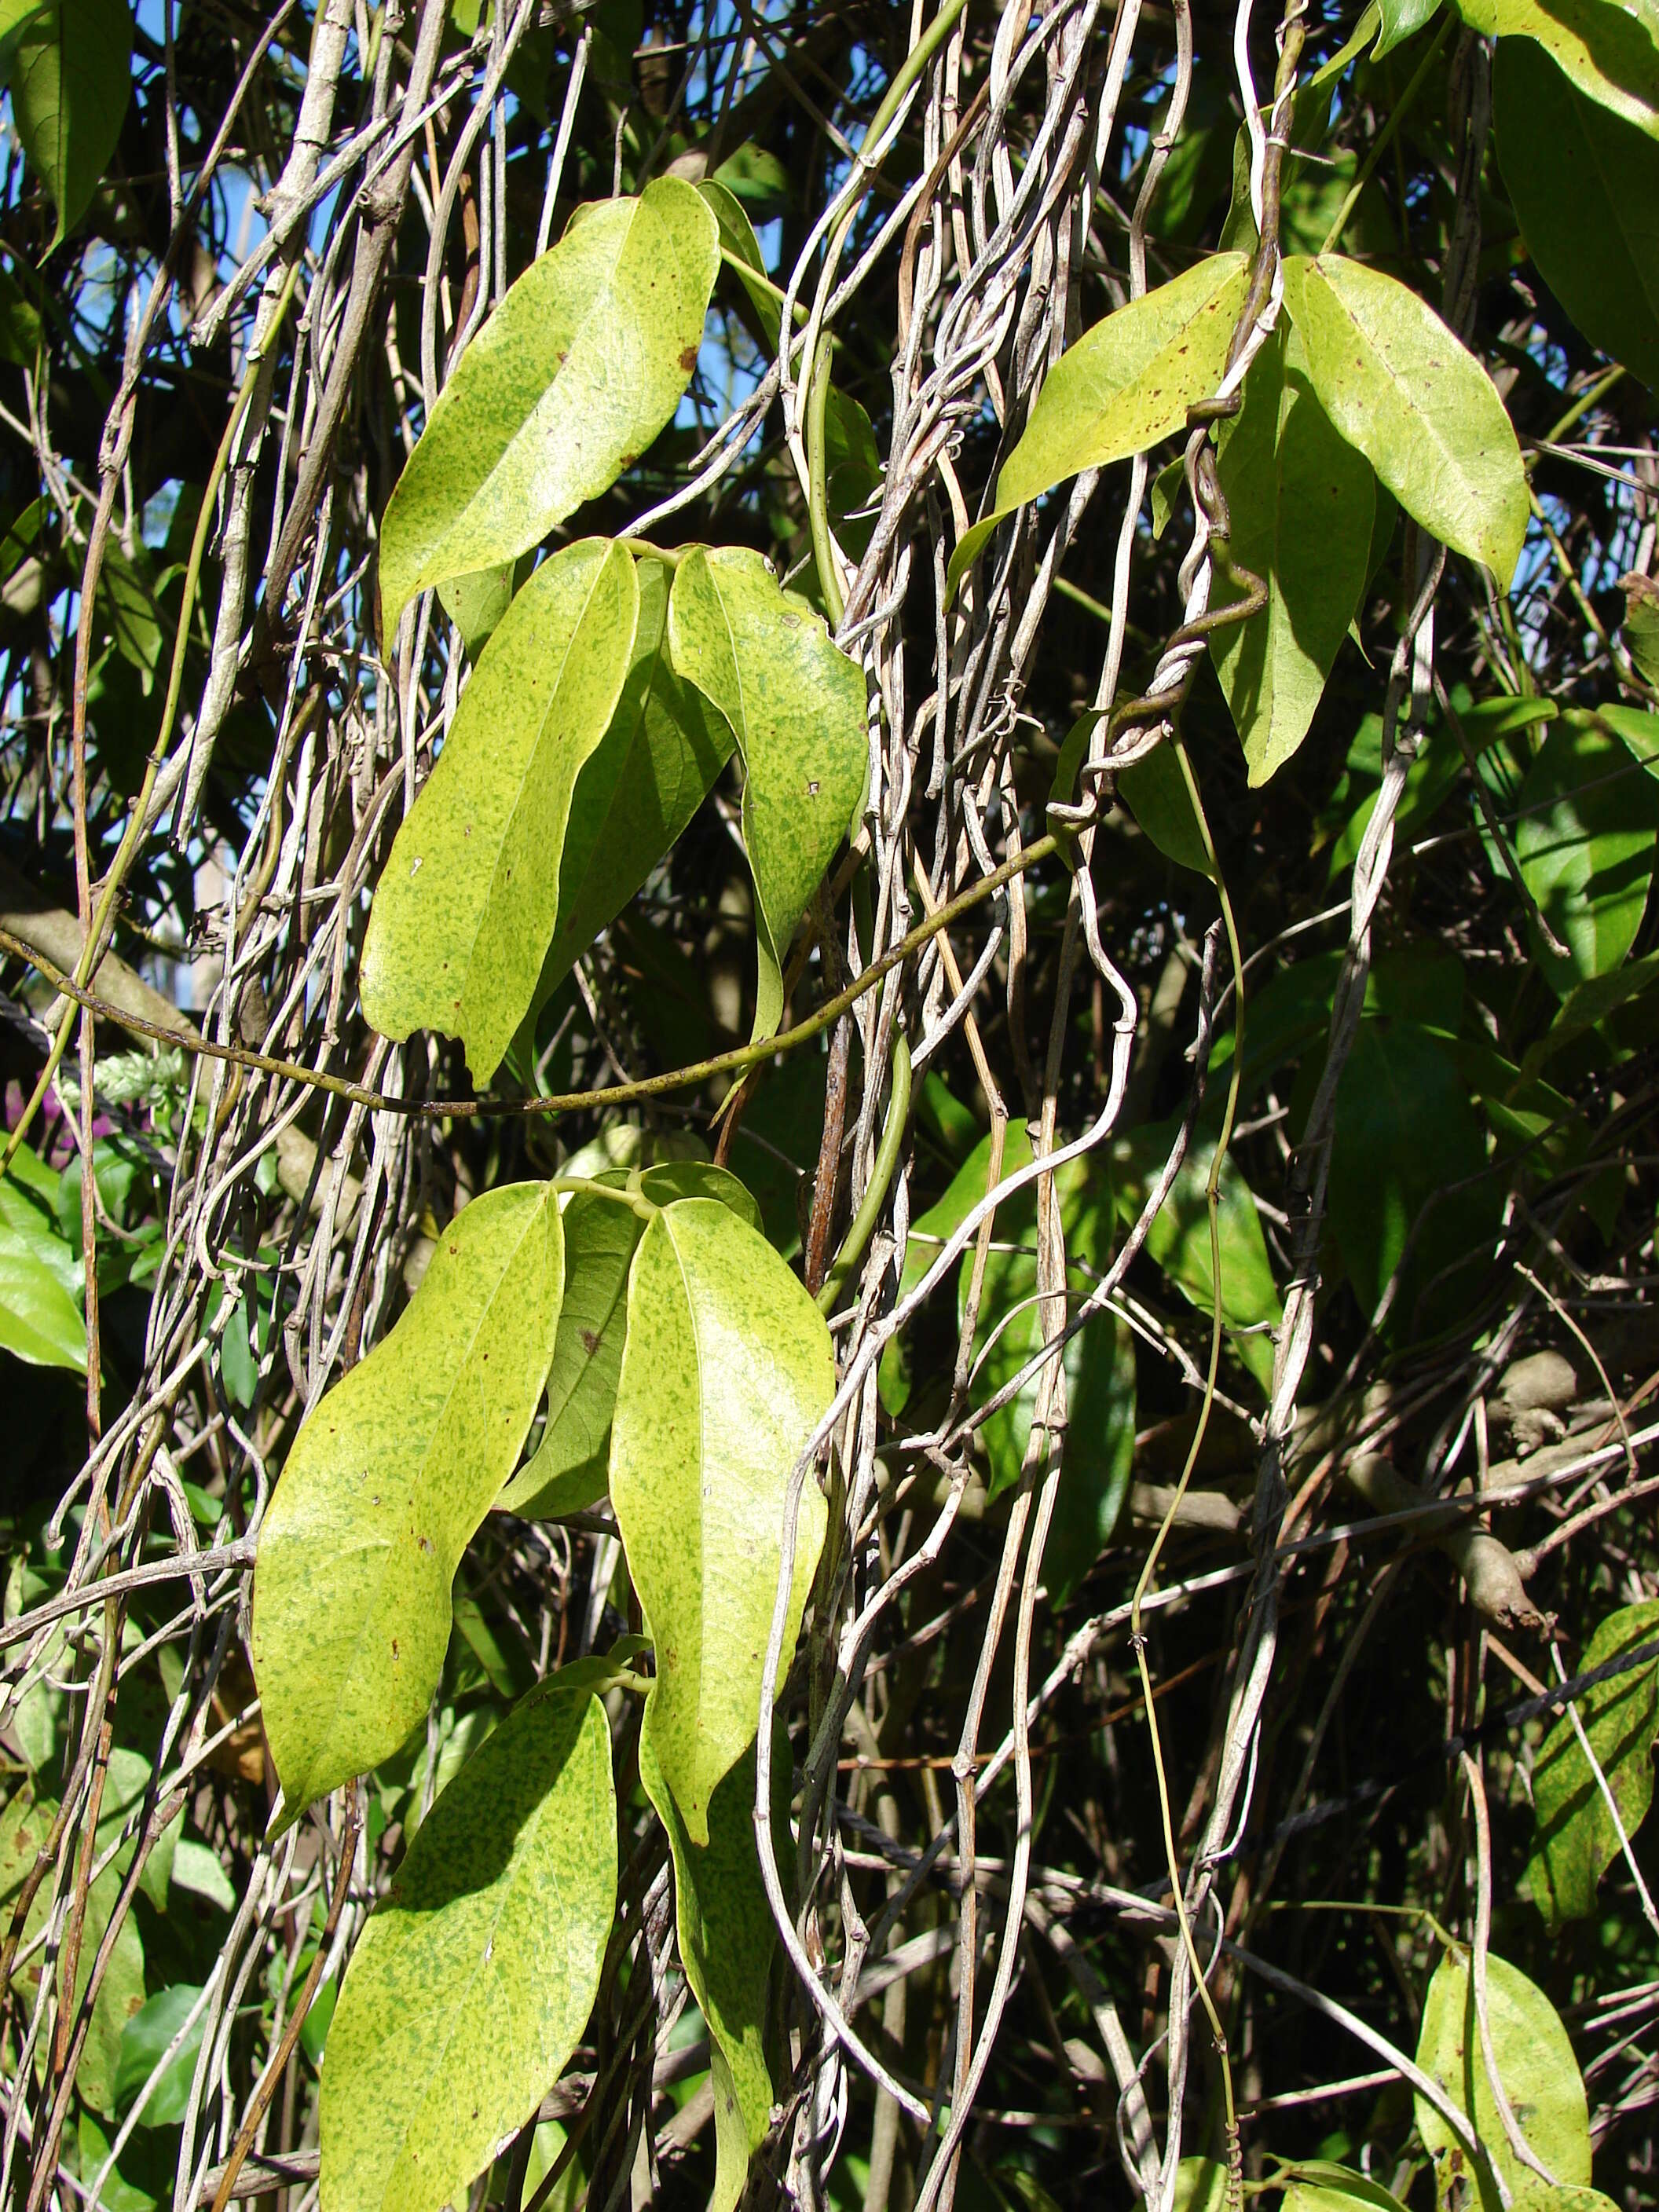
{"type": "Point", "coordinates": [276, 265]}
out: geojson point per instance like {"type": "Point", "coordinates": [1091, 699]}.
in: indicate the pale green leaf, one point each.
{"type": "Point", "coordinates": [654, 766]}
{"type": "Point", "coordinates": [563, 389]}
{"type": "Point", "coordinates": [727, 1941]}
{"type": "Point", "coordinates": [1125, 385]}
{"type": "Point", "coordinates": [1401, 20]}
{"type": "Point", "coordinates": [467, 906]}
{"type": "Point", "coordinates": [1585, 842]}
{"type": "Point", "coordinates": [728, 1368]}
{"type": "Point", "coordinates": [1300, 501]}
{"type": "Point", "coordinates": [1317, 2184]}
{"type": "Point", "coordinates": [796, 705]}
{"type": "Point", "coordinates": [1417, 404]}
{"type": "Point", "coordinates": [1538, 2070]}
{"type": "Point", "coordinates": [1584, 185]}
{"type": "Point", "coordinates": [1576, 1840]}
{"type": "Point", "coordinates": [71, 78]}
{"type": "Point", "coordinates": [40, 1319]}
{"type": "Point", "coordinates": [1609, 49]}
{"type": "Point", "coordinates": [384, 1488]}
{"type": "Point", "coordinates": [1178, 1241]}
{"type": "Point", "coordinates": [472, 1982]}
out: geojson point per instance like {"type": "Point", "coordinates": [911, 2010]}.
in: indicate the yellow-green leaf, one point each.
{"type": "Point", "coordinates": [728, 1368]}
{"type": "Point", "coordinates": [637, 791]}
{"type": "Point", "coordinates": [467, 904]}
{"type": "Point", "coordinates": [1398, 384]}
{"type": "Point", "coordinates": [1540, 2076]}
{"type": "Point", "coordinates": [1317, 2185]}
{"type": "Point", "coordinates": [796, 705]}
{"type": "Point", "coordinates": [40, 1319]}
{"type": "Point", "coordinates": [1300, 501]}
{"type": "Point", "coordinates": [1609, 50]}
{"type": "Point", "coordinates": [472, 1982]}
{"type": "Point", "coordinates": [563, 389]}
{"type": "Point", "coordinates": [568, 1471]}
{"type": "Point", "coordinates": [384, 1488]}
{"type": "Point", "coordinates": [1576, 1840]}
{"type": "Point", "coordinates": [1124, 384]}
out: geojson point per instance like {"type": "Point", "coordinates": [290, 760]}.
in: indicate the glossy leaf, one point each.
{"type": "Point", "coordinates": [1421, 409]}
{"type": "Point", "coordinates": [796, 705]}
{"type": "Point", "coordinates": [1179, 1238]}
{"type": "Point", "coordinates": [71, 78]}
{"type": "Point", "coordinates": [728, 1368]}
{"type": "Point", "coordinates": [384, 1488]}
{"type": "Point", "coordinates": [1585, 844]}
{"type": "Point", "coordinates": [1401, 20]}
{"type": "Point", "coordinates": [472, 1982]}
{"type": "Point", "coordinates": [467, 906]}
{"type": "Point", "coordinates": [1124, 384]}
{"type": "Point", "coordinates": [565, 385]}
{"type": "Point", "coordinates": [1584, 185]}
{"type": "Point", "coordinates": [1576, 1840]}
{"type": "Point", "coordinates": [568, 1471]}
{"type": "Point", "coordinates": [40, 1319]}
{"type": "Point", "coordinates": [1406, 1133]}
{"type": "Point", "coordinates": [1609, 51]}
{"type": "Point", "coordinates": [638, 789]}
{"type": "Point", "coordinates": [1538, 2070]}
{"type": "Point", "coordinates": [1300, 501]}
{"type": "Point", "coordinates": [727, 1941]}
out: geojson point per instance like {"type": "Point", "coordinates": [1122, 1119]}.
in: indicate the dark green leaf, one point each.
{"type": "Point", "coordinates": [1401, 20]}
{"type": "Point", "coordinates": [473, 1981]}
{"type": "Point", "coordinates": [565, 385]}
{"type": "Point", "coordinates": [1179, 1239]}
{"type": "Point", "coordinates": [384, 1488]}
{"type": "Point", "coordinates": [1584, 184]}
{"type": "Point", "coordinates": [144, 2041]}
{"type": "Point", "coordinates": [1641, 624]}
{"type": "Point", "coordinates": [71, 83]}
{"type": "Point", "coordinates": [1155, 792]}
{"type": "Point", "coordinates": [1405, 1132]}
{"type": "Point", "coordinates": [727, 1941]}
{"type": "Point", "coordinates": [1585, 842]}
